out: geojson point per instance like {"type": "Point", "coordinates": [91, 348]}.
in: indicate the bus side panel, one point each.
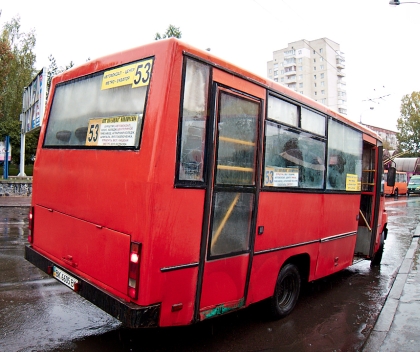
{"type": "Point", "coordinates": [341, 214]}
{"type": "Point", "coordinates": [77, 245]}
{"type": "Point", "coordinates": [266, 267]}
{"type": "Point", "coordinates": [218, 283]}
{"type": "Point", "coordinates": [171, 232]}
{"type": "Point", "coordinates": [172, 241]}
{"type": "Point", "coordinates": [286, 222]}
{"type": "Point", "coordinates": [335, 255]}
{"type": "Point", "coordinates": [338, 239]}
{"type": "Point", "coordinates": [178, 298]}
{"type": "Point", "coordinates": [288, 218]}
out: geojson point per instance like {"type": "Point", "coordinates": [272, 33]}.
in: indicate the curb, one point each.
{"type": "Point", "coordinates": [15, 201]}
{"type": "Point", "coordinates": [387, 314]}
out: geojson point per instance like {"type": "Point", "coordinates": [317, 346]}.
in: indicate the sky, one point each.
{"type": "Point", "coordinates": [379, 41]}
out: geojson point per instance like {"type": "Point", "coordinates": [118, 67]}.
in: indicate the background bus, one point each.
{"type": "Point", "coordinates": [171, 186]}
{"type": "Point", "coordinates": [400, 186]}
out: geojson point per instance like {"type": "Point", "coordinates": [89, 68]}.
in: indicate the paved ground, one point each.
{"type": "Point", "coordinates": [398, 325]}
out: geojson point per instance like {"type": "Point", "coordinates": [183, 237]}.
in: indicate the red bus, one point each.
{"type": "Point", "coordinates": [171, 186]}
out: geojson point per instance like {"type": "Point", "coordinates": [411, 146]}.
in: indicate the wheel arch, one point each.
{"type": "Point", "coordinates": [302, 262]}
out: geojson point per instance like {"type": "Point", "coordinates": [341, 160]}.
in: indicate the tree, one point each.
{"type": "Point", "coordinates": [172, 31]}
{"type": "Point", "coordinates": [21, 66]}
{"type": "Point", "coordinates": [6, 58]}
{"type": "Point", "coordinates": [54, 70]}
{"type": "Point", "coordinates": [409, 124]}
{"type": "Point", "coordinates": [17, 69]}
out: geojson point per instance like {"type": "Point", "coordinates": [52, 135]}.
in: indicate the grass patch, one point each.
{"type": "Point", "coordinates": [14, 170]}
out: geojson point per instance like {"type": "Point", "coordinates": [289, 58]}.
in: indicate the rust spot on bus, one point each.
{"type": "Point", "coordinates": [221, 309]}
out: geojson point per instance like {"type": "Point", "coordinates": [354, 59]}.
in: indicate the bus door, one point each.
{"type": "Point", "coordinates": [231, 195]}
{"type": "Point", "coordinates": [369, 203]}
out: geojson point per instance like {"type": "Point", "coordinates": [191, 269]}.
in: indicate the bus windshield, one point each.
{"type": "Point", "coordinates": [104, 109]}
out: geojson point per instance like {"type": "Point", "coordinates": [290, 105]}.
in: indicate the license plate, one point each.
{"type": "Point", "coordinates": [65, 278]}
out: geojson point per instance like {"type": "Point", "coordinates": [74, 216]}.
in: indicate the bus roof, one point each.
{"type": "Point", "coordinates": [172, 44]}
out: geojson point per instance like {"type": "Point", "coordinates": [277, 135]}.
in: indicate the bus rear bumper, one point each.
{"type": "Point", "coordinates": [131, 315]}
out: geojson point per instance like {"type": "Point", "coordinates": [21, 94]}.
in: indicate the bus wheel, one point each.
{"type": "Point", "coordinates": [286, 292]}
{"type": "Point", "coordinates": [396, 193]}
{"type": "Point", "coordinates": [377, 257]}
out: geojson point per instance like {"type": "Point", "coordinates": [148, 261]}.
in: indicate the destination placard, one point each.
{"type": "Point", "coordinates": [135, 74]}
{"type": "Point", "coordinates": [113, 131]}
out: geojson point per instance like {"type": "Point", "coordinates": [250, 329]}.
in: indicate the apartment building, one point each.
{"type": "Point", "coordinates": [314, 68]}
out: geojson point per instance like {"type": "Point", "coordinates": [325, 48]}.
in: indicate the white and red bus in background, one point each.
{"type": "Point", "coordinates": [171, 186]}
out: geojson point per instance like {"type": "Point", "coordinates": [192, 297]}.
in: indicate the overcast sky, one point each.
{"type": "Point", "coordinates": [380, 42]}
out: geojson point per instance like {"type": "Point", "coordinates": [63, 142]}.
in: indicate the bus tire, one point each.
{"type": "Point", "coordinates": [377, 257]}
{"type": "Point", "coordinates": [286, 292]}
{"type": "Point", "coordinates": [396, 193]}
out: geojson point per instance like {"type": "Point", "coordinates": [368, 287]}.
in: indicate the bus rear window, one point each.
{"type": "Point", "coordinates": [101, 110]}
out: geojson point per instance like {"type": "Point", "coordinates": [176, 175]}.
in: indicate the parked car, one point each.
{"type": "Point", "coordinates": [414, 185]}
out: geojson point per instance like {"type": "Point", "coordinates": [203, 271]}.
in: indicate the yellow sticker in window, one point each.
{"type": "Point", "coordinates": [136, 74]}
{"type": "Point", "coordinates": [352, 184]}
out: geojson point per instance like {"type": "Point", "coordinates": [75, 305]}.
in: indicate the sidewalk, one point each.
{"type": "Point", "coordinates": [398, 324]}
{"type": "Point", "coordinates": [15, 201]}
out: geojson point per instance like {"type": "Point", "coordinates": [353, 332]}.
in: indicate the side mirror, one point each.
{"type": "Point", "coordinates": [392, 172]}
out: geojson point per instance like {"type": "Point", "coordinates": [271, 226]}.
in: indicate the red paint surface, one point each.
{"type": "Point", "coordinates": [224, 281]}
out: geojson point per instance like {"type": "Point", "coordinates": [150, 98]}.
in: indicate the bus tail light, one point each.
{"type": "Point", "coordinates": [134, 270]}
{"type": "Point", "coordinates": [31, 225]}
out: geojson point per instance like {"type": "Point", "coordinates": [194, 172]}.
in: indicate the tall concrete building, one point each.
{"type": "Point", "coordinates": [314, 68]}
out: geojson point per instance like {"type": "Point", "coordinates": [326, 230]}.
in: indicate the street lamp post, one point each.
{"type": "Point", "coordinates": [371, 108]}
{"type": "Point", "coordinates": [397, 2]}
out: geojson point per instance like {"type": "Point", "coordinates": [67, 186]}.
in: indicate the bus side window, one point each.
{"type": "Point", "coordinates": [193, 121]}
{"type": "Point", "coordinates": [293, 158]}
{"type": "Point", "coordinates": [345, 147]}
{"type": "Point", "coordinates": [192, 156]}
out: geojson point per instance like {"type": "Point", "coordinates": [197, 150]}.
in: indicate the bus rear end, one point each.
{"type": "Point", "coordinates": [93, 188]}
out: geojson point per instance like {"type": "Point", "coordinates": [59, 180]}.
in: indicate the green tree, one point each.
{"type": "Point", "coordinates": [54, 70]}
{"type": "Point", "coordinates": [6, 58]}
{"type": "Point", "coordinates": [408, 124]}
{"type": "Point", "coordinates": [172, 31]}
{"type": "Point", "coordinates": [21, 67]}
{"type": "Point", "coordinates": [16, 71]}
{"type": "Point", "coordinates": [51, 72]}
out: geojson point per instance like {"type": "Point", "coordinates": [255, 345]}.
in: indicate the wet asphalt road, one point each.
{"type": "Point", "coordinates": [333, 314]}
